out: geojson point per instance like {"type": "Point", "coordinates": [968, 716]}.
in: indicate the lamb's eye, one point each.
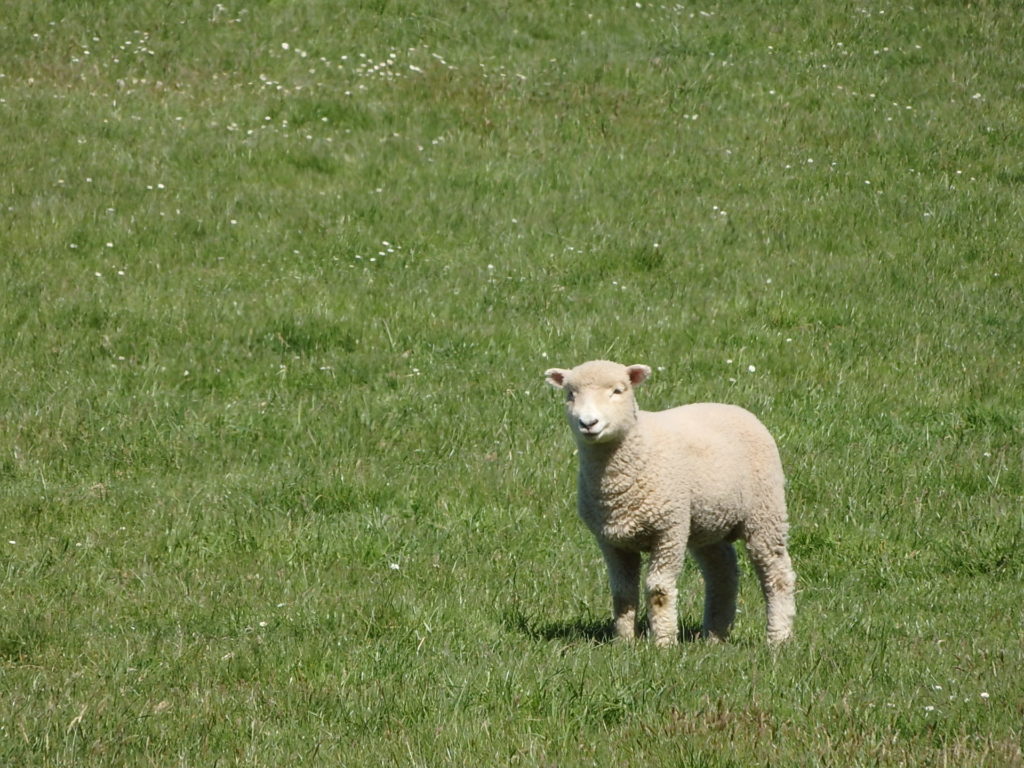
{"type": "Point", "coordinates": [617, 391]}
{"type": "Point", "coordinates": [570, 395]}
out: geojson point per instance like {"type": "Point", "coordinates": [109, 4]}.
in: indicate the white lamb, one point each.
{"type": "Point", "coordinates": [699, 477]}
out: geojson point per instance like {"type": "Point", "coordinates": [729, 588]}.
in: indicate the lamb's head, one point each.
{"type": "Point", "coordinates": [599, 398]}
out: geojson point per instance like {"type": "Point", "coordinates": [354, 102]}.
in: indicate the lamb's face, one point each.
{"type": "Point", "coordinates": [599, 399]}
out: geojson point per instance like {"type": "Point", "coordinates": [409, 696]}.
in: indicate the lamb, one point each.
{"type": "Point", "coordinates": [695, 477]}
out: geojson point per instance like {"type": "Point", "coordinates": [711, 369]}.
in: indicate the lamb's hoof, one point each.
{"type": "Point", "coordinates": [624, 630]}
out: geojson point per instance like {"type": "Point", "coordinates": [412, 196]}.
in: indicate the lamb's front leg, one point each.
{"type": "Point", "coordinates": [624, 578]}
{"type": "Point", "coordinates": [662, 575]}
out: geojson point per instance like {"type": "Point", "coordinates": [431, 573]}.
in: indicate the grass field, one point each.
{"type": "Point", "coordinates": [280, 480]}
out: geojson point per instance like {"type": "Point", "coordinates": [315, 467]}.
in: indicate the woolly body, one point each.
{"type": "Point", "coordinates": [695, 477]}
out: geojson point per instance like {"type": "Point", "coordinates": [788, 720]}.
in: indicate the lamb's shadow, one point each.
{"type": "Point", "coordinates": [574, 631]}
{"type": "Point", "coordinates": [582, 630]}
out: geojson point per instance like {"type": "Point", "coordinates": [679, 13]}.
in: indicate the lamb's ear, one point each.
{"type": "Point", "coordinates": [638, 373]}
{"type": "Point", "coordinates": [556, 377]}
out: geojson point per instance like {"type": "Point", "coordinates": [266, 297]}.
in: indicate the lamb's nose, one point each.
{"type": "Point", "coordinates": [587, 423]}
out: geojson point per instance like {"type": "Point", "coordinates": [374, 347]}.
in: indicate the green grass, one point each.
{"type": "Point", "coordinates": [280, 481]}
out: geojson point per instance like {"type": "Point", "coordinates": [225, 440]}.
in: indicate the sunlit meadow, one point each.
{"type": "Point", "coordinates": [280, 480]}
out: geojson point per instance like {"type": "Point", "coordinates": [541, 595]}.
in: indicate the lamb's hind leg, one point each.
{"type": "Point", "coordinates": [778, 583]}
{"type": "Point", "coordinates": [721, 582]}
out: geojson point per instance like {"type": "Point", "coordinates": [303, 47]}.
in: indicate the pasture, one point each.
{"type": "Point", "coordinates": [280, 479]}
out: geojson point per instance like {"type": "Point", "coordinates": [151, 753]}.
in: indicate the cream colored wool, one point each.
{"type": "Point", "coordinates": [696, 477]}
